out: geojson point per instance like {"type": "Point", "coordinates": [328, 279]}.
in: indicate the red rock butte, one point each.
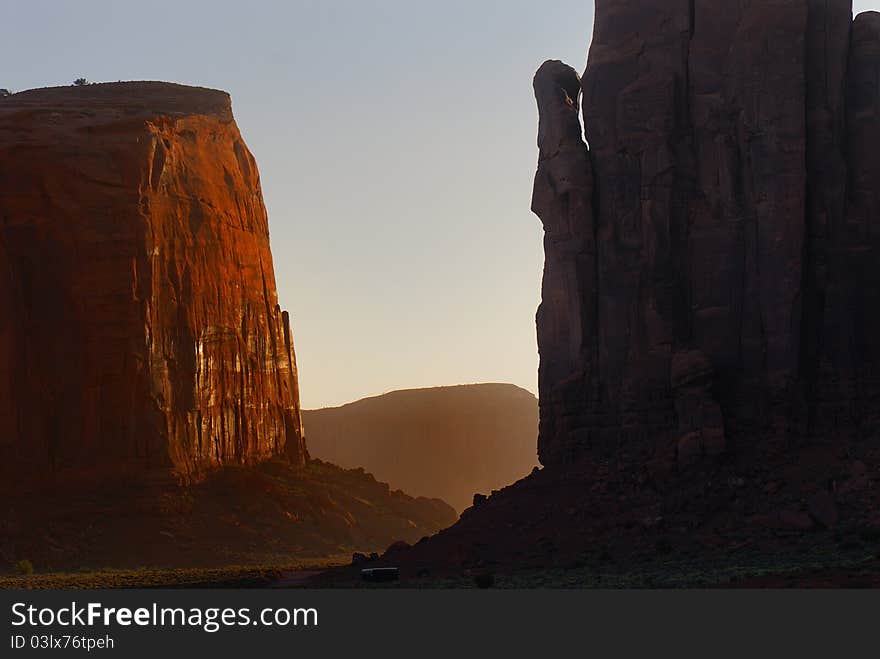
{"type": "Point", "coordinates": [709, 333]}
{"type": "Point", "coordinates": [139, 319]}
{"type": "Point", "coordinates": [712, 256]}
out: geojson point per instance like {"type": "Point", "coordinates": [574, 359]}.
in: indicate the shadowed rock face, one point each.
{"type": "Point", "coordinates": [139, 321]}
{"type": "Point", "coordinates": [563, 195]}
{"type": "Point", "coordinates": [710, 288]}
{"type": "Point", "coordinates": [711, 262]}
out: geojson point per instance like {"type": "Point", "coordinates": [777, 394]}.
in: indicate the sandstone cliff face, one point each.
{"type": "Point", "coordinates": [711, 257]}
{"type": "Point", "coordinates": [139, 321]}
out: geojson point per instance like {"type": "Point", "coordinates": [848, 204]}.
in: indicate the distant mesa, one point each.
{"type": "Point", "coordinates": [445, 442]}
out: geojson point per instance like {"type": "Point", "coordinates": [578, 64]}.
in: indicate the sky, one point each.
{"type": "Point", "coordinates": [396, 146]}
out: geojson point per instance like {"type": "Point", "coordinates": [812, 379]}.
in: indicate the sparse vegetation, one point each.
{"type": "Point", "coordinates": [24, 567]}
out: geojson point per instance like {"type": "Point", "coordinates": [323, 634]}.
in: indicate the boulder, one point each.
{"type": "Point", "coordinates": [822, 508]}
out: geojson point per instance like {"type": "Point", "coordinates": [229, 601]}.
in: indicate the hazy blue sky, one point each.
{"type": "Point", "coordinates": [396, 144]}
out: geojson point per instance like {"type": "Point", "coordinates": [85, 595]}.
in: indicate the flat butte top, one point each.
{"type": "Point", "coordinates": [123, 100]}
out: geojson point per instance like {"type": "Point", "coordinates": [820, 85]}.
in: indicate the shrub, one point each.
{"type": "Point", "coordinates": [5, 92]}
{"type": "Point", "coordinates": [79, 82]}
{"type": "Point", "coordinates": [24, 567]}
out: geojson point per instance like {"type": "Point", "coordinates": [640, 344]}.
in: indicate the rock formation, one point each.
{"type": "Point", "coordinates": [444, 442]}
{"type": "Point", "coordinates": [139, 320]}
{"type": "Point", "coordinates": [712, 255]}
{"type": "Point", "coordinates": [709, 334]}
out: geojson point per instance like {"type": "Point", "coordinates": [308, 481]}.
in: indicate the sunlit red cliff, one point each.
{"type": "Point", "coordinates": [149, 398]}
{"type": "Point", "coordinates": [139, 320]}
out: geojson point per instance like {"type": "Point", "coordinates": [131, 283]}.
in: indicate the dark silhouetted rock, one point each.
{"type": "Point", "coordinates": [794, 520]}
{"type": "Point", "coordinates": [823, 509]}
{"type": "Point", "coordinates": [710, 259]}
{"type": "Point", "coordinates": [700, 428]}
{"type": "Point", "coordinates": [709, 331]}
{"type": "Point", "coordinates": [563, 199]}
{"type": "Point", "coordinates": [396, 548]}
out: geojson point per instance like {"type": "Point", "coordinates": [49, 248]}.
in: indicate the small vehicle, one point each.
{"type": "Point", "coordinates": [380, 574]}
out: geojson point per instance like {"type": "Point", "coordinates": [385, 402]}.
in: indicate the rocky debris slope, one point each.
{"type": "Point", "coordinates": [139, 319]}
{"type": "Point", "coordinates": [446, 442]}
{"type": "Point", "coordinates": [596, 518]}
{"type": "Point", "coordinates": [271, 514]}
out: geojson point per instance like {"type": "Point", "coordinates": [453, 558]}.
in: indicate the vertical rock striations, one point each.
{"type": "Point", "coordinates": [827, 368]}
{"type": "Point", "coordinates": [635, 94]}
{"type": "Point", "coordinates": [139, 321]}
{"type": "Point", "coordinates": [854, 328]}
{"type": "Point", "coordinates": [710, 261]}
